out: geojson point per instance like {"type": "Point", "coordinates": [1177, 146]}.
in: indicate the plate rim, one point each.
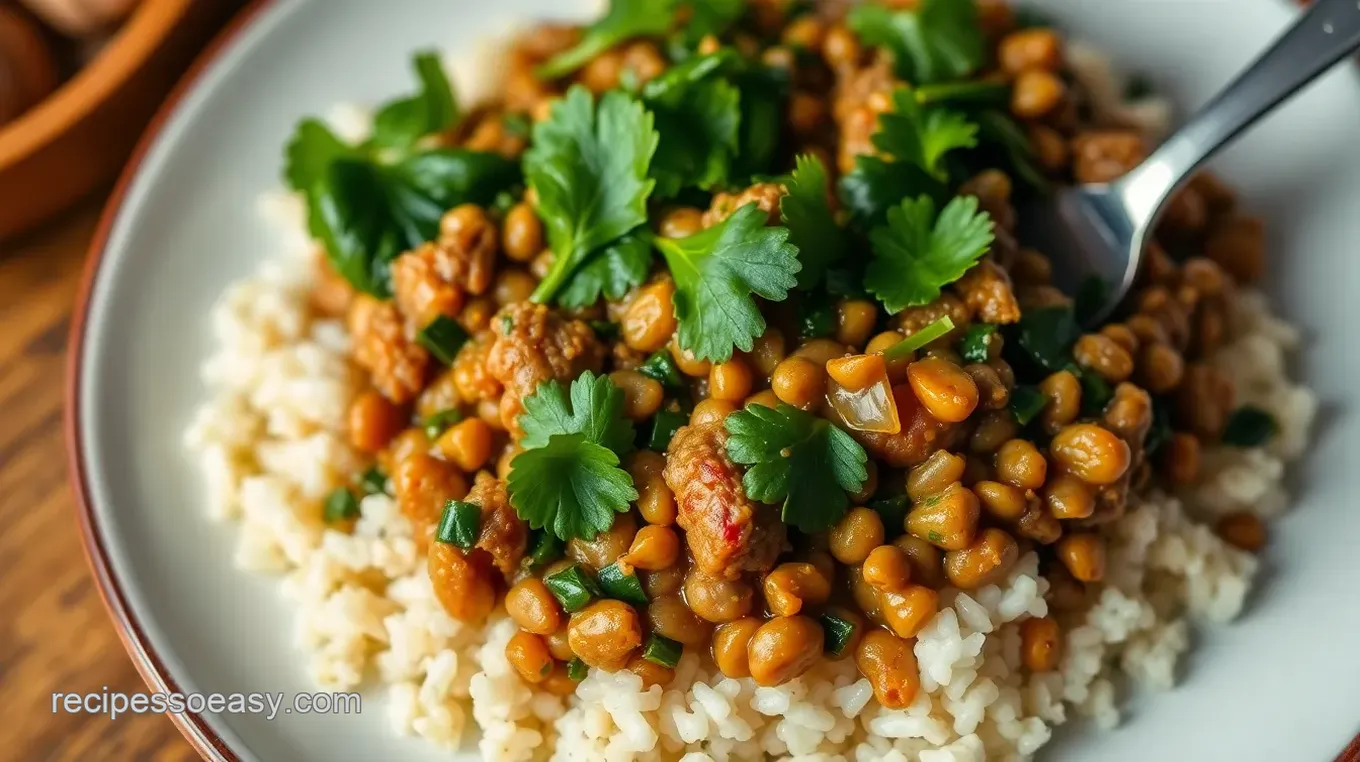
{"type": "Point", "coordinates": [153, 670]}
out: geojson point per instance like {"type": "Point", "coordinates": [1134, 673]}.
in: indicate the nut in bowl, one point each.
{"type": "Point", "coordinates": [693, 398]}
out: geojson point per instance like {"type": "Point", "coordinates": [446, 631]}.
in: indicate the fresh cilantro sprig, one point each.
{"type": "Point", "coordinates": [717, 271]}
{"type": "Point", "coordinates": [918, 252]}
{"type": "Point", "coordinates": [698, 116]}
{"type": "Point", "coordinates": [611, 271]}
{"type": "Point", "coordinates": [804, 461]}
{"type": "Point", "coordinates": [806, 211]}
{"type": "Point", "coordinates": [368, 203]}
{"type": "Point", "coordinates": [589, 167]}
{"type": "Point", "coordinates": [914, 141]}
{"type": "Point", "coordinates": [568, 479]}
{"type": "Point", "coordinates": [625, 20]}
{"type": "Point", "coordinates": [938, 40]}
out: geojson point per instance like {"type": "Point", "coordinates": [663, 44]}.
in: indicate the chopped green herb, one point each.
{"type": "Point", "coordinates": [664, 425]}
{"type": "Point", "coordinates": [1027, 402]}
{"type": "Point", "coordinates": [839, 632]}
{"type": "Point", "coordinates": [1047, 334]}
{"type": "Point", "coordinates": [605, 330]}
{"type": "Point", "coordinates": [625, 20]}
{"type": "Point", "coordinates": [976, 341]}
{"type": "Point", "coordinates": [620, 586]}
{"type": "Point", "coordinates": [573, 587]}
{"type": "Point", "coordinates": [934, 536]}
{"type": "Point", "coordinates": [817, 318]}
{"type": "Point", "coordinates": [438, 423]}
{"type": "Point", "coordinates": [662, 650]}
{"type": "Point", "coordinates": [893, 511]}
{"type": "Point", "coordinates": [719, 271]}
{"type": "Point", "coordinates": [1090, 299]}
{"type": "Point", "coordinates": [507, 324]}
{"type": "Point", "coordinates": [568, 478]}
{"type": "Point", "coordinates": [969, 93]}
{"type": "Point", "coordinates": [764, 91]}
{"type": "Point", "coordinates": [997, 129]}
{"type": "Point", "coordinates": [443, 337]}
{"type": "Point", "coordinates": [1095, 392]}
{"type": "Point", "coordinates": [544, 547]}
{"type": "Point", "coordinates": [806, 211]}
{"type": "Point", "coordinates": [400, 123]}
{"type": "Point", "coordinates": [460, 524]}
{"type": "Point", "coordinates": [611, 272]}
{"type": "Point", "coordinates": [504, 201]}
{"type": "Point", "coordinates": [698, 118]}
{"type": "Point", "coordinates": [588, 165]}
{"type": "Point", "coordinates": [1249, 426]}
{"type": "Point", "coordinates": [577, 669]}
{"type": "Point", "coordinates": [904, 348]}
{"type": "Point", "coordinates": [918, 253]}
{"type": "Point", "coordinates": [935, 41]}
{"type": "Point", "coordinates": [517, 125]}
{"type": "Point", "coordinates": [661, 366]}
{"type": "Point", "coordinates": [373, 481]}
{"type": "Point", "coordinates": [340, 504]}
{"type": "Point", "coordinates": [801, 460]}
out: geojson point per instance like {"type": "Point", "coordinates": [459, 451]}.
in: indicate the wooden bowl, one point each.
{"type": "Point", "coordinates": [77, 139]}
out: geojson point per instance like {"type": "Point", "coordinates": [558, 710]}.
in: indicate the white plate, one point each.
{"type": "Point", "coordinates": [1282, 684]}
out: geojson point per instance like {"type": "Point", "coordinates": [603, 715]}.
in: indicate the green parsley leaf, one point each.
{"type": "Point", "coordinates": [798, 458]}
{"type": "Point", "coordinates": [1249, 426]}
{"type": "Point", "coordinates": [625, 20]}
{"type": "Point", "coordinates": [366, 213]}
{"type": "Point", "coordinates": [937, 41]}
{"type": "Point", "coordinates": [1047, 334]}
{"type": "Point", "coordinates": [711, 17]}
{"type": "Point", "coordinates": [433, 108]}
{"type": "Point", "coordinates": [589, 169]}
{"type": "Point", "coordinates": [764, 90]}
{"type": "Point", "coordinates": [595, 410]}
{"type": "Point", "coordinates": [309, 154]}
{"type": "Point", "coordinates": [611, 271]}
{"type": "Point", "coordinates": [875, 185]}
{"type": "Point", "coordinates": [698, 116]}
{"type": "Point", "coordinates": [568, 479]}
{"type": "Point", "coordinates": [806, 212]}
{"type": "Point", "coordinates": [717, 270]}
{"type": "Point", "coordinates": [918, 253]}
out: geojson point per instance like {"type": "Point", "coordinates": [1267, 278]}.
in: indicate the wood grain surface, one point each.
{"type": "Point", "coordinates": [55, 635]}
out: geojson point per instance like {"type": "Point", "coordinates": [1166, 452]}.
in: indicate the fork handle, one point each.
{"type": "Point", "coordinates": [1326, 32]}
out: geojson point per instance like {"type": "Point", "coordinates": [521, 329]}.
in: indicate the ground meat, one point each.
{"type": "Point", "coordinates": [423, 484]}
{"type": "Point", "coordinates": [471, 374]}
{"type": "Point", "coordinates": [503, 535]}
{"type": "Point", "coordinates": [534, 344]}
{"type": "Point", "coordinates": [435, 278]}
{"type": "Point", "coordinates": [986, 289]}
{"type": "Point", "coordinates": [382, 346]}
{"type": "Point", "coordinates": [727, 533]}
{"type": "Point", "coordinates": [764, 195]}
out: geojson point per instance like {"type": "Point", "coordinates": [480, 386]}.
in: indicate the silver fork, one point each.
{"type": "Point", "coordinates": [1100, 230]}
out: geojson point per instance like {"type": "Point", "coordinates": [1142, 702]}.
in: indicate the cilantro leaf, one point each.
{"type": "Point", "coordinates": [611, 271]}
{"type": "Point", "coordinates": [366, 213]}
{"type": "Point", "coordinates": [812, 227]}
{"type": "Point", "coordinates": [918, 253]}
{"type": "Point", "coordinates": [625, 20]}
{"type": "Point", "coordinates": [875, 185]}
{"type": "Point", "coordinates": [999, 131]}
{"type": "Point", "coordinates": [764, 90]}
{"type": "Point", "coordinates": [803, 460]}
{"type": "Point", "coordinates": [697, 117]}
{"type": "Point", "coordinates": [938, 40]}
{"type": "Point", "coordinates": [717, 270]}
{"type": "Point", "coordinates": [712, 17]}
{"type": "Point", "coordinates": [589, 169]}
{"type": "Point", "coordinates": [595, 410]}
{"type": "Point", "coordinates": [309, 153]}
{"type": "Point", "coordinates": [568, 478]}
{"type": "Point", "coordinates": [1047, 335]}
{"type": "Point", "coordinates": [570, 486]}
{"type": "Point", "coordinates": [433, 108]}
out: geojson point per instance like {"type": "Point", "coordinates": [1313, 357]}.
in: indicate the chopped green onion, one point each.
{"type": "Point", "coordinates": [577, 669]}
{"type": "Point", "coordinates": [1161, 431]}
{"type": "Point", "coordinates": [976, 342]}
{"type": "Point", "coordinates": [373, 481]}
{"type": "Point", "coordinates": [507, 324]}
{"type": "Point", "coordinates": [435, 425]}
{"type": "Point", "coordinates": [460, 524]}
{"type": "Point", "coordinates": [443, 337]}
{"type": "Point", "coordinates": [1249, 426]}
{"type": "Point", "coordinates": [341, 504]}
{"type": "Point", "coordinates": [573, 587]}
{"type": "Point", "coordinates": [620, 586]}
{"type": "Point", "coordinates": [839, 633]}
{"type": "Point", "coordinates": [907, 346]}
{"type": "Point", "coordinates": [893, 510]}
{"type": "Point", "coordinates": [1026, 403]}
{"type": "Point", "coordinates": [661, 366]}
{"type": "Point", "coordinates": [660, 649]}
{"type": "Point", "coordinates": [605, 330]}
{"type": "Point", "coordinates": [976, 92]}
{"type": "Point", "coordinates": [664, 425]}
{"type": "Point", "coordinates": [1091, 296]}
{"type": "Point", "coordinates": [545, 547]}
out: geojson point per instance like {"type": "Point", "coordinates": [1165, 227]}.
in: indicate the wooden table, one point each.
{"type": "Point", "coordinates": [54, 633]}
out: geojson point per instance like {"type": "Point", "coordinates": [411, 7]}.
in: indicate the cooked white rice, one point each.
{"type": "Point", "coordinates": [271, 447]}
